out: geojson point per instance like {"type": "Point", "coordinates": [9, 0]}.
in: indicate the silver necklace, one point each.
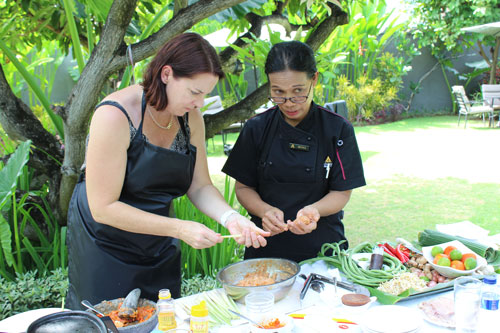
{"type": "Point", "coordinates": [158, 124]}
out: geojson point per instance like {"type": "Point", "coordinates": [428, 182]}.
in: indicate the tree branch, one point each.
{"type": "Point", "coordinates": [326, 27]}
{"type": "Point", "coordinates": [179, 4]}
{"type": "Point", "coordinates": [19, 122]}
{"type": "Point", "coordinates": [184, 20]}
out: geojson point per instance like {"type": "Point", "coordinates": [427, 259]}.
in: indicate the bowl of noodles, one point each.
{"type": "Point", "coordinates": [146, 319]}
{"type": "Point", "coordinates": [264, 274]}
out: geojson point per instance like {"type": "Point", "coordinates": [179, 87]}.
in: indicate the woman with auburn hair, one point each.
{"type": "Point", "coordinates": [146, 146]}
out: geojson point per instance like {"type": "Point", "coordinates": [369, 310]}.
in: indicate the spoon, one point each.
{"type": "Point", "coordinates": [246, 318]}
{"type": "Point", "coordinates": [87, 304]}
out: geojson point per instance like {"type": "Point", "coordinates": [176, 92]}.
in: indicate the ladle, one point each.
{"type": "Point", "coordinates": [246, 318]}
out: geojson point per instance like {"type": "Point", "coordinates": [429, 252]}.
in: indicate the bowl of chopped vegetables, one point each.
{"type": "Point", "coordinates": [145, 321]}
{"type": "Point", "coordinates": [253, 275]}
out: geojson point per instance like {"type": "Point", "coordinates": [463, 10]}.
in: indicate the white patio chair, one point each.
{"type": "Point", "coordinates": [491, 96]}
{"type": "Point", "coordinates": [466, 108]}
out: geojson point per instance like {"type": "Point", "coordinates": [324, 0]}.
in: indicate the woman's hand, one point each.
{"type": "Point", "coordinates": [199, 236]}
{"type": "Point", "coordinates": [251, 235]}
{"type": "Point", "coordinates": [306, 221]}
{"type": "Point", "coordinates": [273, 221]}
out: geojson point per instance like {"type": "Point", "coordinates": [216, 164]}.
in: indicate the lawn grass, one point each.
{"type": "Point", "coordinates": [420, 172]}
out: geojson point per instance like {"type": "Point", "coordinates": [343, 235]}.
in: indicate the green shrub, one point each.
{"type": "Point", "coordinates": [30, 292]}
{"type": "Point", "coordinates": [366, 97]}
{"type": "Point", "coordinates": [198, 284]}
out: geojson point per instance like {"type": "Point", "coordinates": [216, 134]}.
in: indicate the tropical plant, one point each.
{"type": "Point", "coordinates": [27, 245]}
{"type": "Point", "coordinates": [366, 97]}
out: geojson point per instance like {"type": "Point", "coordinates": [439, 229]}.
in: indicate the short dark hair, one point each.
{"type": "Point", "coordinates": [188, 54]}
{"type": "Point", "coordinates": [293, 55]}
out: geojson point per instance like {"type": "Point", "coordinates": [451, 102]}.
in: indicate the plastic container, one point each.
{"type": "Point", "coordinates": [166, 311]}
{"type": "Point", "coordinates": [199, 318]}
{"type": "Point", "coordinates": [489, 293]}
{"type": "Point", "coordinates": [489, 315]}
{"type": "Point", "coordinates": [259, 304]}
{"type": "Point", "coordinates": [377, 258]}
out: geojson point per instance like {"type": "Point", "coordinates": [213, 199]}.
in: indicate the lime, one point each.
{"type": "Point", "coordinates": [470, 263]}
{"type": "Point", "coordinates": [436, 250]}
{"type": "Point", "coordinates": [455, 255]}
{"type": "Point", "coordinates": [444, 262]}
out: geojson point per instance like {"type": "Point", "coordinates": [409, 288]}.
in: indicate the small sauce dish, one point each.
{"type": "Point", "coordinates": [284, 319]}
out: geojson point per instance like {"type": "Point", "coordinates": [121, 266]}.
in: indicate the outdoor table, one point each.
{"type": "Point", "coordinates": [320, 309]}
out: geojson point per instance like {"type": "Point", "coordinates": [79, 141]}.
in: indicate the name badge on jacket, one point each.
{"type": "Point", "coordinates": [298, 146]}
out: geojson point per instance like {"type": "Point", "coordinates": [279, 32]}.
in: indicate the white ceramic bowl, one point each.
{"type": "Point", "coordinates": [282, 318]}
{"type": "Point", "coordinates": [448, 271]}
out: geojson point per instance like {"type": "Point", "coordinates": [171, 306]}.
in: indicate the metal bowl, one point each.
{"type": "Point", "coordinates": [286, 273]}
{"type": "Point", "coordinates": [144, 327]}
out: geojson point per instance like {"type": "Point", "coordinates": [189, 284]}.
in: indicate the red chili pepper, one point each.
{"type": "Point", "coordinates": [405, 250]}
{"type": "Point", "coordinates": [400, 254]}
{"type": "Point", "coordinates": [386, 250]}
{"type": "Point", "coordinates": [390, 248]}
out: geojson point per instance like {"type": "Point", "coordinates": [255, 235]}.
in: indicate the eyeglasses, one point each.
{"type": "Point", "coordinates": [294, 99]}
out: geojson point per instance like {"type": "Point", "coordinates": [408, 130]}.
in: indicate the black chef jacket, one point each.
{"type": "Point", "coordinates": [292, 167]}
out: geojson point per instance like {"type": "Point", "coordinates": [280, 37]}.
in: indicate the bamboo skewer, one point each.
{"type": "Point", "coordinates": [231, 236]}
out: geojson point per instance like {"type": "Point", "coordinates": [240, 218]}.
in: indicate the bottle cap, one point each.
{"type": "Point", "coordinates": [199, 310]}
{"type": "Point", "coordinates": [164, 294]}
{"type": "Point", "coordinates": [490, 280]}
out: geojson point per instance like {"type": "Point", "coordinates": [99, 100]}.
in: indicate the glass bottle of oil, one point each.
{"type": "Point", "coordinates": [166, 311]}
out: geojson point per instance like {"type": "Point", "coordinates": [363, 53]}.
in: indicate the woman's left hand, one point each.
{"type": "Point", "coordinates": [306, 221]}
{"type": "Point", "coordinates": [251, 235]}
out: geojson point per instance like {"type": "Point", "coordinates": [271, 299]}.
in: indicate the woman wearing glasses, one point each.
{"type": "Point", "coordinates": [296, 164]}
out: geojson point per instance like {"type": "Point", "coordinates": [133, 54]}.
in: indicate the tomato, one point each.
{"type": "Point", "coordinates": [468, 255]}
{"type": "Point", "coordinates": [449, 249]}
{"type": "Point", "coordinates": [441, 255]}
{"type": "Point", "coordinates": [457, 264]}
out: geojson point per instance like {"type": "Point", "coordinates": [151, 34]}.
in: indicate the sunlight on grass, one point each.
{"type": "Point", "coordinates": [402, 206]}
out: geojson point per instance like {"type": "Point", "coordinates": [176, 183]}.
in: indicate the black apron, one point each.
{"type": "Point", "coordinates": [291, 178]}
{"type": "Point", "coordinates": [105, 262]}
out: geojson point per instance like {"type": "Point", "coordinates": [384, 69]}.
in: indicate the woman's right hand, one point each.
{"type": "Point", "coordinates": [251, 235]}
{"type": "Point", "coordinates": [273, 221]}
{"type": "Point", "coordinates": [199, 236]}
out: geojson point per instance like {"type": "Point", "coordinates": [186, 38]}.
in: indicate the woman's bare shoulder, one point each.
{"type": "Point", "coordinates": [130, 98]}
